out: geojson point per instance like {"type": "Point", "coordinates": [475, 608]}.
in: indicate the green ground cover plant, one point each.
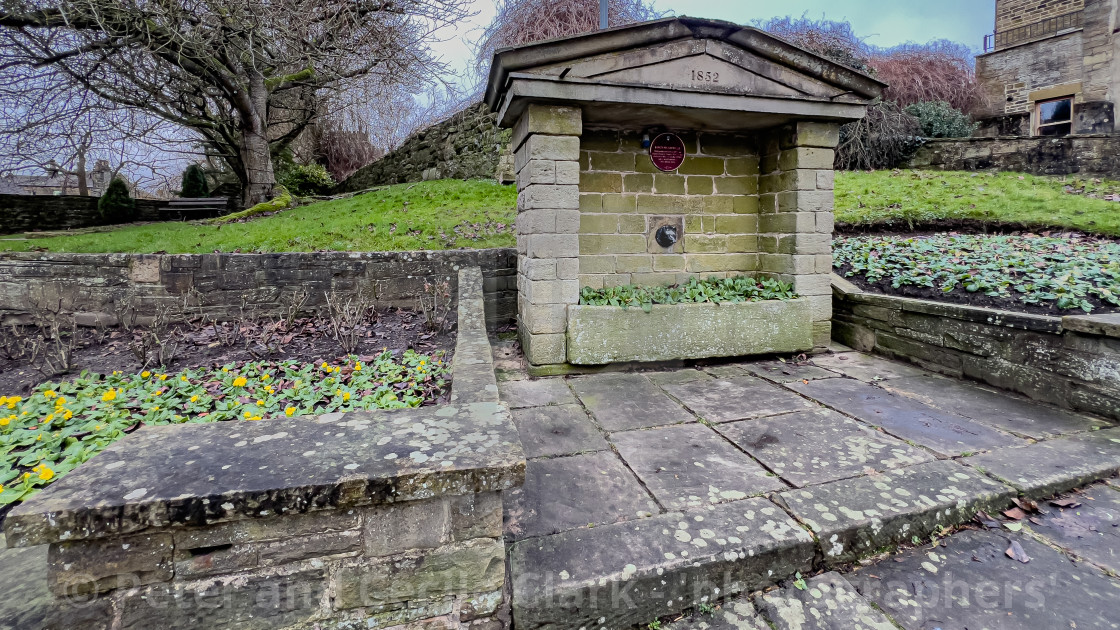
{"type": "Point", "coordinates": [1066, 273]}
{"type": "Point", "coordinates": [61, 425]}
{"type": "Point", "coordinates": [902, 199]}
{"type": "Point", "coordinates": [734, 290]}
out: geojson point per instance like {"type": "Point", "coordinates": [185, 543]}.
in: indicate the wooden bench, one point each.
{"type": "Point", "coordinates": [200, 208]}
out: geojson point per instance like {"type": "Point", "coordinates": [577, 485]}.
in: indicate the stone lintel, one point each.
{"type": "Point", "coordinates": [202, 474]}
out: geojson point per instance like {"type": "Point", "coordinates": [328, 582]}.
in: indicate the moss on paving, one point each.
{"type": "Point", "coordinates": [452, 214]}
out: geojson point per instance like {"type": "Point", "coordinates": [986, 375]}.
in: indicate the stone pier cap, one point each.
{"type": "Point", "coordinates": [203, 474]}
{"type": "Point", "coordinates": [679, 72]}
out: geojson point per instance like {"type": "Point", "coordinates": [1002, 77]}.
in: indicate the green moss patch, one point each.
{"type": "Point", "coordinates": [695, 291]}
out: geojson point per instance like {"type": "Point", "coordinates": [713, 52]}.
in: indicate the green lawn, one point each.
{"type": "Point", "coordinates": [447, 214]}
{"type": "Point", "coordinates": [902, 198]}
{"type": "Point", "coordinates": [452, 214]}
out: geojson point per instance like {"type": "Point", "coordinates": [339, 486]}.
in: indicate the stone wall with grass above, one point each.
{"type": "Point", "coordinates": [1072, 361]}
{"type": "Point", "coordinates": [107, 288]}
{"type": "Point", "coordinates": [712, 201]}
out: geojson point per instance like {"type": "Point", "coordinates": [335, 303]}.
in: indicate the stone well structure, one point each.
{"type": "Point", "coordinates": [758, 120]}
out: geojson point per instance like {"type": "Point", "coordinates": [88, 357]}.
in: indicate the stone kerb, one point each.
{"type": "Point", "coordinates": [367, 519]}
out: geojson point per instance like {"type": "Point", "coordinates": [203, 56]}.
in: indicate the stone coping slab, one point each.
{"type": "Point", "coordinates": [855, 517]}
{"type": "Point", "coordinates": [1104, 325]}
{"type": "Point", "coordinates": [598, 335]}
{"type": "Point", "coordinates": [813, 447]}
{"type": "Point", "coordinates": [199, 474]}
{"type": "Point", "coordinates": [472, 367]}
{"type": "Point", "coordinates": [968, 581]}
{"type": "Point", "coordinates": [645, 569]}
{"type": "Point", "coordinates": [940, 431]}
{"type": "Point", "coordinates": [1047, 468]}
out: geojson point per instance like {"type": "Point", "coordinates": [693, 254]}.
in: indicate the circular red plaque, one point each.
{"type": "Point", "coordinates": [667, 152]}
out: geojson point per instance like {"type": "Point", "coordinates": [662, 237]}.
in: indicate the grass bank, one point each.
{"type": "Point", "coordinates": [453, 214]}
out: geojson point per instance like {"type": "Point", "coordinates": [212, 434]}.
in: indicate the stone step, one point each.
{"type": "Point", "coordinates": [1048, 468]}
{"type": "Point", "coordinates": [852, 518]}
{"type": "Point", "coordinates": [615, 576]}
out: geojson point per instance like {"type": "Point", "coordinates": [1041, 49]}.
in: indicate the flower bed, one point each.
{"type": "Point", "coordinates": [1024, 272]}
{"type": "Point", "coordinates": [695, 291]}
{"type": "Point", "coordinates": [61, 425]}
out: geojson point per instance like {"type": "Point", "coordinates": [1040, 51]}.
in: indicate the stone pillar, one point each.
{"type": "Point", "coordinates": [796, 215]}
{"type": "Point", "coordinates": [546, 156]}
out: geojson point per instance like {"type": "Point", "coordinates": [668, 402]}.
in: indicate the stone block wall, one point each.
{"type": "Point", "coordinates": [1093, 155]}
{"type": "Point", "coordinates": [467, 145]}
{"type": "Point", "coordinates": [1010, 76]}
{"type": "Point", "coordinates": [37, 213]}
{"type": "Point", "coordinates": [226, 286]}
{"type": "Point", "coordinates": [439, 561]}
{"type": "Point", "coordinates": [796, 220]}
{"type": "Point", "coordinates": [712, 200]}
{"type": "Point", "coordinates": [1014, 13]}
{"type": "Point", "coordinates": [1072, 362]}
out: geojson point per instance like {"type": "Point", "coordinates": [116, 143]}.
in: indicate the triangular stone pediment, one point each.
{"type": "Point", "coordinates": [702, 65]}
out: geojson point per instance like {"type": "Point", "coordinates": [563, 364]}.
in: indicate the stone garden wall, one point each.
{"type": "Point", "coordinates": [1096, 155]}
{"type": "Point", "coordinates": [30, 213]}
{"type": "Point", "coordinates": [228, 286]}
{"type": "Point", "coordinates": [465, 146]}
{"type": "Point", "coordinates": [1072, 361]}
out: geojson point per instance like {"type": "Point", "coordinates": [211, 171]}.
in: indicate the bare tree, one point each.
{"type": "Point", "coordinates": [938, 71]}
{"type": "Point", "coordinates": [247, 77]}
{"type": "Point", "coordinates": [523, 21]}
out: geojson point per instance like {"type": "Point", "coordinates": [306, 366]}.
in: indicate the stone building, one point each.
{"type": "Point", "coordinates": [58, 181]}
{"type": "Point", "coordinates": [1048, 69]}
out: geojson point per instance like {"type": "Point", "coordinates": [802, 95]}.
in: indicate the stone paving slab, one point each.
{"type": "Point", "coordinates": [813, 447]}
{"type": "Point", "coordinates": [864, 367]}
{"type": "Point", "coordinates": [677, 376]}
{"type": "Point", "coordinates": [1003, 411]}
{"type": "Point", "coordinates": [788, 372]}
{"type": "Point", "coordinates": [557, 430]}
{"type": "Point", "coordinates": [828, 602]}
{"type": "Point", "coordinates": [945, 433]}
{"type": "Point", "coordinates": [970, 582]}
{"type": "Point", "coordinates": [737, 614]}
{"type": "Point", "coordinates": [855, 517]}
{"type": "Point", "coordinates": [642, 570]}
{"type": "Point", "coordinates": [573, 492]}
{"type": "Point", "coordinates": [727, 400]}
{"type": "Point", "coordinates": [622, 402]}
{"type": "Point", "coordinates": [691, 465]}
{"type": "Point", "coordinates": [1091, 531]}
{"type": "Point", "coordinates": [536, 393]}
{"type": "Point", "coordinates": [1046, 468]}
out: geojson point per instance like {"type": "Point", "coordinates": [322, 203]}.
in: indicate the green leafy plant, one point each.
{"type": "Point", "coordinates": [61, 425]}
{"type": "Point", "coordinates": [707, 609]}
{"type": "Point", "coordinates": [1038, 270]}
{"type": "Point", "coordinates": [715, 290]}
{"type": "Point", "coordinates": [194, 183]}
{"type": "Point", "coordinates": [799, 582]}
{"type": "Point", "coordinates": [939, 119]}
{"type": "Point", "coordinates": [304, 180]}
{"type": "Point", "coordinates": [115, 204]}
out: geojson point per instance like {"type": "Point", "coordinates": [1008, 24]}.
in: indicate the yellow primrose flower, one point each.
{"type": "Point", "coordinates": [5, 421]}
{"type": "Point", "coordinates": [69, 414]}
{"type": "Point", "coordinates": [194, 398]}
{"type": "Point", "coordinates": [48, 419]}
{"type": "Point", "coordinates": [260, 403]}
{"type": "Point", "coordinates": [116, 372]}
{"type": "Point", "coordinates": [325, 366]}
{"type": "Point", "coordinates": [338, 392]}
{"type": "Point", "coordinates": [1, 487]}
{"type": "Point", "coordinates": [26, 475]}
{"type": "Point", "coordinates": [290, 411]}
{"type": "Point", "coordinates": [268, 388]}
{"type": "Point", "coordinates": [163, 377]}
{"type": "Point", "coordinates": [422, 362]}
{"type": "Point", "coordinates": [226, 370]}
{"type": "Point", "coordinates": [183, 378]}
{"type": "Point", "coordinates": [97, 428]}
{"type": "Point", "coordinates": [145, 374]}
{"type": "Point", "coordinates": [50, 393]}
{"type": "Point", "coordinates": [337, 370]}
{"type": "Point", "coordinates": [265, 377]}
{"type": "Point", "coordinates": [248, 414]}
{"type": "Point", "coordinates": [109, 396]}
{"type": "Point", "coordinates": [46, 474]}
{"type": "Point", "coordinates": [156, 408]}
{"type": "Point", "coordinates": [358, 366]}
{"type": "Point", "coordinates": [39, 438]}
{"type": "Point", "coordinates": [346, 396]}
{"type": "Point", "coordinates": [60, 402]}
{"type": "Point", "coordinates": [255, 418]}
{"type": "Point", "coordinates": [240, 381]}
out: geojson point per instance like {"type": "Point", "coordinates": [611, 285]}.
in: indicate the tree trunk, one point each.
{"type": "Point", "coordinates": [83, 183]}
{"type": "Point", "coordinates": [255, 156]}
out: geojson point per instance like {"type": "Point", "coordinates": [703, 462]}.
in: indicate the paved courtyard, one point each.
{"type": "Point", "coordinates": [657, 479]}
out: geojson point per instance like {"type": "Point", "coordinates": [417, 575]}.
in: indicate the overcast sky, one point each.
{"type": "Point", "coordinates": [883, 22]}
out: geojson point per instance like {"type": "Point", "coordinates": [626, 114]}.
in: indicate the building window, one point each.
{"type": "Point", "coordinates": [1054, 117]}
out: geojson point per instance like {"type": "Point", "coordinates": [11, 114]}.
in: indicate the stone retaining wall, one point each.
{"type": "Point", "coordinates": [388, 519]}
{"type": "Point", "coordinates": [105, 287]}
{"type": "Point", "coordinates": [1096, 155]}
{"type": "Point", "coordinates": [32, 213]}
{"type": "Point", "coordinates": [467, 145]}
{"type": "Point", "coordinates": [1073, 361]}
